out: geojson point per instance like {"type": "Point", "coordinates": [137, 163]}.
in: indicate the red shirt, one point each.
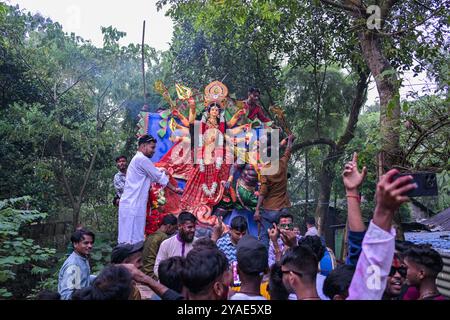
{"type": "Point", "coordinates": [256, 112]}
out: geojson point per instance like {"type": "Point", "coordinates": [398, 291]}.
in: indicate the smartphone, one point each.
{"type": "Point", "coordinates": [426, 184]}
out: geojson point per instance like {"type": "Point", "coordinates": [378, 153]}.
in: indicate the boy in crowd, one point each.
{"type": "Point", "coordinates": [153, 242]}
{"type": "Point", "coordinates": [113, 283]}
{"type": "Point", "coordinates": [132, 254]}
{"type": "Point", "coordinates": [282, 237]}
{"type": "Point", "coordinates": [206, 275]}
{"type": "Point", "coordinates": [228, 242]}
{"type": "Point", "coordinates": [170, 274]}
{"type": "Point", "coordinates": [424, 264]}
{"type": "Point", "coordinates": [315, 243]}
{"type": "Point", "coordinates": [299, 266]}
{"type": "Point", "coordinates": [75, 273]}
{"type": "Point", "coordinates": [251, 266]}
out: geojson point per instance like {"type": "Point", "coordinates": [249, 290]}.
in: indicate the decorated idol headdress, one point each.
{"type": "Point", "coordinates": [216, 92]}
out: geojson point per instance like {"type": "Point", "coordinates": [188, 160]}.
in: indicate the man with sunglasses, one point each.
{"type": "Point", "coordinates": [396, 280]}
{"type": "Point", "coordinates": [282, 237]}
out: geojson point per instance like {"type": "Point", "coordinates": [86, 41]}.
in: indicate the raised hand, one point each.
{"type": "Point", "coordinates": [217, 230]}
{"type": "Point", "coordinates": [391, 193]}
{"type": "Point", "coordinates": [389, 196]}
{"type": "Point", "coordinates": [273, 233]}
{"type": "Point", "coordinates": [351, 176]}
{"type": "Point", "coordinates": [136, 274]}
{"type": "Point", "coordinates": [289, 237]}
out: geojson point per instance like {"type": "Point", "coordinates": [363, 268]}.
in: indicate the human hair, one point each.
{"type": "Point", "coordinates": [426, 256]}
{"type": "Point", "coordinates": [276, 288]}
{"type": "Point", "coordinates": [253, 90]}
{"type": "Point", "coordinates": [310, 220]}
{"type": "Point", "coordinates": [202, 268]}
{"type": "Point", "coordinates": [48, 295]}
{"type": "Point", "coordinates": [121, 157]}
{"type": "Point", "coordinates": [338, 281]}
{"type": "Point", "coordinates": [185, 216]}
{"type": "Point", "coordinates": [169, 273]}
{"type": "Point", "coordinates": [315, 243]}
{"type": "Point", "coordinates": [204, 243]}
{"type": "Point", "coordinates": [401, 247]}
{"type": "Point", "coordinates": [169, 219]}
{"type": "Point", "coordinates": [303, 260]}
{"type": "Point", "coordinates": [239, 224]}
{"type": "Point", "coordinates": [79, 235]}
{"type": "Point", "coordinates": [146, 138]}
{"type": "Point", "coordinates": [113, 283]}
{"type": "Point", "coordinates": [286, 215]}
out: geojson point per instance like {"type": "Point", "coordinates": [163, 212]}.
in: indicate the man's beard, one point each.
{"type": "Point", "coordinates": [186, 237]}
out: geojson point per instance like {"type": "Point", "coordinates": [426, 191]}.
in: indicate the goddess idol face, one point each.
{"type": "Point", "coordinates": [214, 111]}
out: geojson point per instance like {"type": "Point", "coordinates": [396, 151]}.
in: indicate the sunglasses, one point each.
{"type": "Point", "coordinates": [289, 226]}
{"type": "Point", "coordinates": [402, 271]}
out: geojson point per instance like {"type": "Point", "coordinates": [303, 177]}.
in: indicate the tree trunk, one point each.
{"type": "Point", "coordinates": [388, 91]}
{"type": "Point", "coordinates": [326, 182]}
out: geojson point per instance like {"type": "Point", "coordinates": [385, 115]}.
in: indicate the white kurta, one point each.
{"type": "Point", "coordinates": [141, 173]}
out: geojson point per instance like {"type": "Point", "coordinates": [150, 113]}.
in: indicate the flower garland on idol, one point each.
{"type": "Point", "coordinates": [209, 192]}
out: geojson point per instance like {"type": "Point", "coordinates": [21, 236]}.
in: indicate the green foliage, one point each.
{"type": "Point", "coordinates": [16, 251]}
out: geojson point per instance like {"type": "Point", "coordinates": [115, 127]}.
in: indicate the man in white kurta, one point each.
{"type": "Point", "coordinates": [141, 173]}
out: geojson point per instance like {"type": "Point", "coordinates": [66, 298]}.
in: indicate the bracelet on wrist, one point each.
{"type": "Point", "coordinates": [354, 196]}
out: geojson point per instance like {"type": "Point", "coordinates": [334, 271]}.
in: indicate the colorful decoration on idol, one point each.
{"type": "Point", "coordinates": [216, 92]}
{"type": "Point", "coordinates": [162, 90]}
{"type": "Point", "coordinates": [184, 93]}
{"type": "Point", "coordinates": [154, 216]}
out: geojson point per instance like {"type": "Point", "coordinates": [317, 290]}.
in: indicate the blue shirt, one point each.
{"type": "Point", "coordinates": [227, 247]}
{"type": "Point", "coordinates": [74, 274]}
{"type": "Point", "coordinates": [355, 240]}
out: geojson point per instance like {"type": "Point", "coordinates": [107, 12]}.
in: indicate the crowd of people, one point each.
{"type": "Point", "coordinates": [173, 264]}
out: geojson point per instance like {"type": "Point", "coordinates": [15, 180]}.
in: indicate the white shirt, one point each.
{"type": "Point", "coordinates": [374, 264]}
{"type": "Point", "coordinates": [141, 173]}
{"type": "Point", "coordinates": [312, 232]}
{"type": "Point", "coordinates": [243, 296]}
{"type": "Point", "coordinates": [172, 247]}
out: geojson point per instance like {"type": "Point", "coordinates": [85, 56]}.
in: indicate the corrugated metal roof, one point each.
{"type": "Point", "coordinates": [440, 222]}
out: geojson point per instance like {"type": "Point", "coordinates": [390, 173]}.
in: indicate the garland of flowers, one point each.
{"type": "Point", "coordinates": [219, 160]}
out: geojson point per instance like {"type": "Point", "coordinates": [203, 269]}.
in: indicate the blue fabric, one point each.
{"type": "Point", "coordinates": [74, 274]}
{"type": "Point", "coordinates": [163, 144]}
{"type": "Point", "coordinates": [248, 215]}
{"type": "Point", "coordinates": [355, 240]}
{"type": "Point", "coordinates": [326, 264]}
{"type": "Point", "coordinates": [227, 247]}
